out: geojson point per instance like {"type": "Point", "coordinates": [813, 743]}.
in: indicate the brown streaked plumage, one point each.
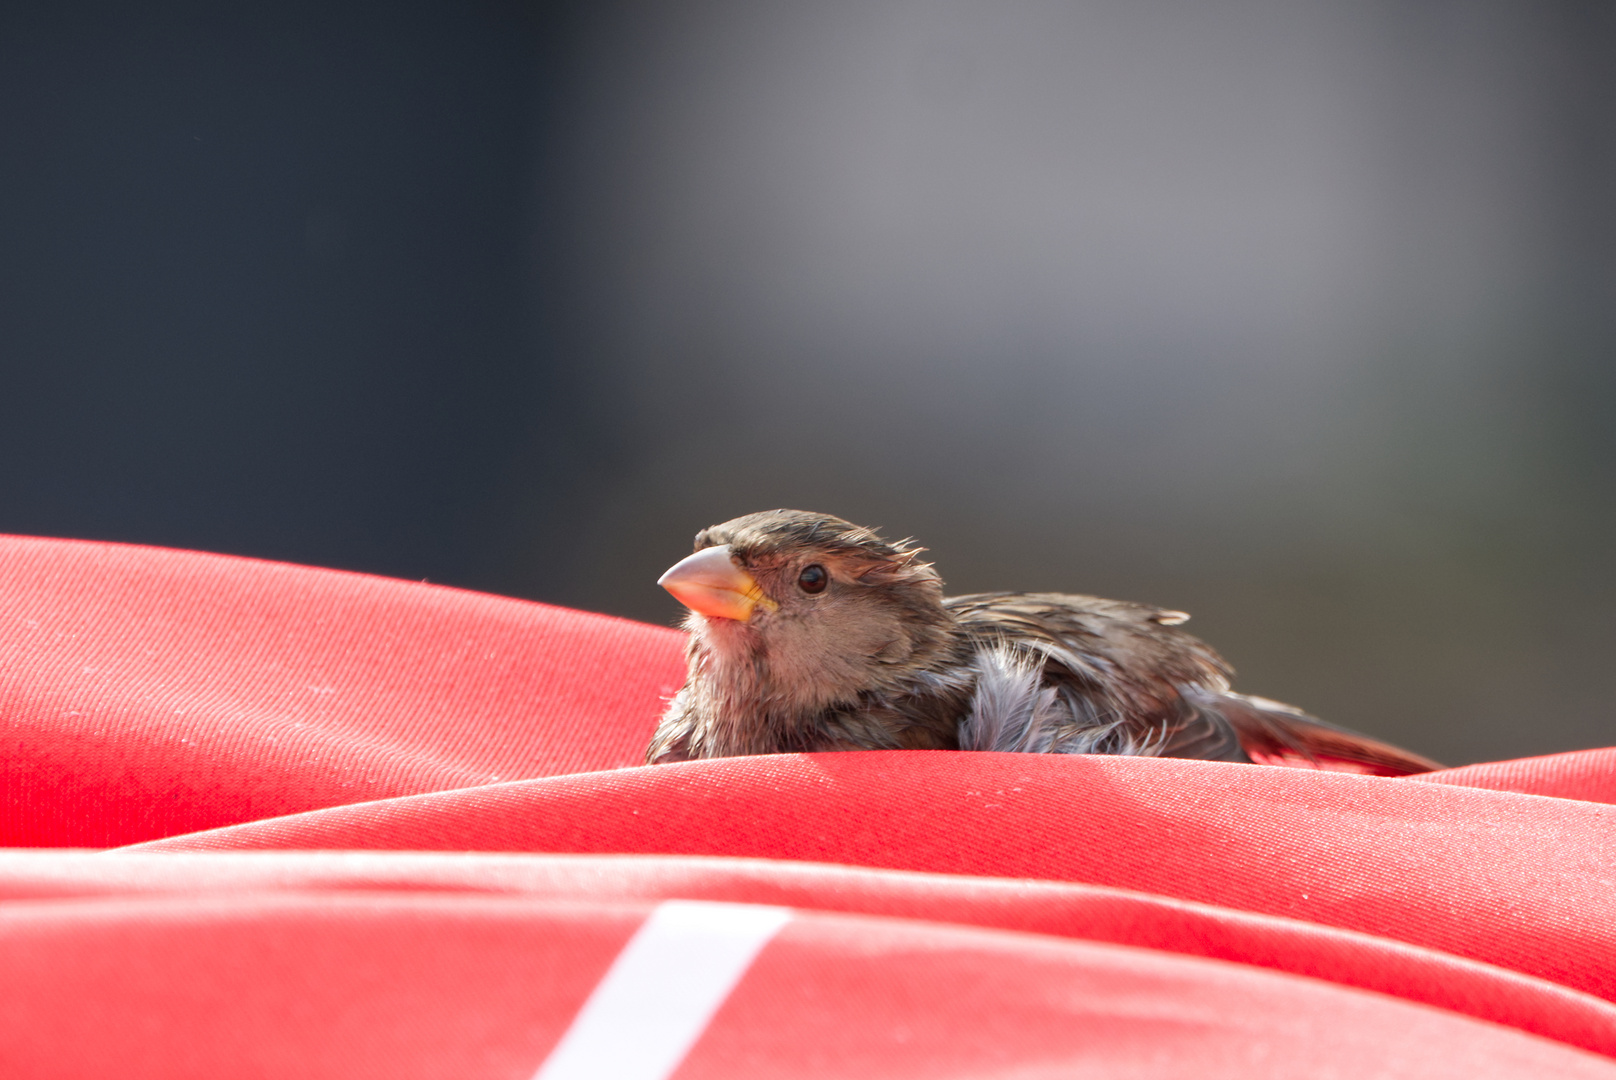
{"type": "Point", "coordinates": [810, 633]}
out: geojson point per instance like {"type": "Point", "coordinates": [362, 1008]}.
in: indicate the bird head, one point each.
{"type": "Point", "coordinates": [816, 608]}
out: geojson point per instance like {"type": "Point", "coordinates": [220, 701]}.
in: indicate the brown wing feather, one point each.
{"type": "Point", "coordinates": [1116, 661]}
{"type": "Point", "coordinates": [1130, 661]}
{"type": "Point", "coordinates": [1276, 734]}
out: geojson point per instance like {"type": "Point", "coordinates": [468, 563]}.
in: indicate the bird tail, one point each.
{"type": "Point", "coordinates": [1276, 734]}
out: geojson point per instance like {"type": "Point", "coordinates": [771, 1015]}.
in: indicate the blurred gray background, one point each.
{"type": "Point", "coordinates": [1301, 317]}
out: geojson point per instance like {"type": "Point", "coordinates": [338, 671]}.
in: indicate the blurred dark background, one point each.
{"type": "Point", "coordinates": [1301, 317]}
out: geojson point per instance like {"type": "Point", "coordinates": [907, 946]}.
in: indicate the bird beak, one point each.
{"type": "Point", "coordinates": [709, 583]}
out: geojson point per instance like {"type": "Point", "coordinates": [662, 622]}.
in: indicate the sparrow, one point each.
{"type": "Point", "coordinates": [809, 633]}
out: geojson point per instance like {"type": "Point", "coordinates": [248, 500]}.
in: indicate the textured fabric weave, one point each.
{"type": "Point", "coordinates": [1095, 913]}
{"type": "Point", "coordinates": [955, 914]}
{"type": "Point", "coordinates": [147, 692]}
{"type": "Point", "coordinates": [427, 986]}
{"type": "Point", "coordinates": [1589, 775]}
{"type": "Point", "coordinates": [1515, 880]}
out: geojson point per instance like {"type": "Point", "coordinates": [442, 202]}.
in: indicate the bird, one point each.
{"type": "Point", "coordinates": [808, 633]}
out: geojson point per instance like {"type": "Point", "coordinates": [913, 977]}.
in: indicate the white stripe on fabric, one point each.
{"type": "Point", "coordinates": [662, 990]}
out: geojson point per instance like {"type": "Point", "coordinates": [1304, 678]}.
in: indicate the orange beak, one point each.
{"type": "Point", "coordinates": [709, 583]}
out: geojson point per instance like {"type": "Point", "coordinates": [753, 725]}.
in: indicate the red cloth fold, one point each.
{"type": "Point", "coordinates": [980, 914]}
{"type": "Point", "coordinates": [430, 986]}
{"type": "Point", "coordinates": [157, 692]}
{"type": "Point", "coordinates": [1515, 880]}
{"type": "Point", "coordinates": [1586, 775]}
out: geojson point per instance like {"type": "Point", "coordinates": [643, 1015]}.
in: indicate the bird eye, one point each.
{"type": "Point", "coordinates": [813, 579]}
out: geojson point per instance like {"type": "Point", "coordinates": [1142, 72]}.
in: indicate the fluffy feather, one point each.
{"type": "Point", "coordinates": [879, 659]}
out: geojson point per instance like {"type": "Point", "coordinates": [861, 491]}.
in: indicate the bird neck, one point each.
{"type": "Point", "coordinates": [742, 705]}
{"type": "Point", "coordinates": [740, 708]}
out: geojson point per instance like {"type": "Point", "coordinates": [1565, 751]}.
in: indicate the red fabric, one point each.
{"type": "Point", "coordinates": [431, 986]}
{"type": "Point", "coordinates": [1095, 913]}
{"type": "Point", "coordinates": [158, 692]}
{"type": "Point", "coordinates": [206, 703]}
{"type": "Point", "coordinates": [1588, 775]}
{"type": "Point", "coordinates": [1514, 880]}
